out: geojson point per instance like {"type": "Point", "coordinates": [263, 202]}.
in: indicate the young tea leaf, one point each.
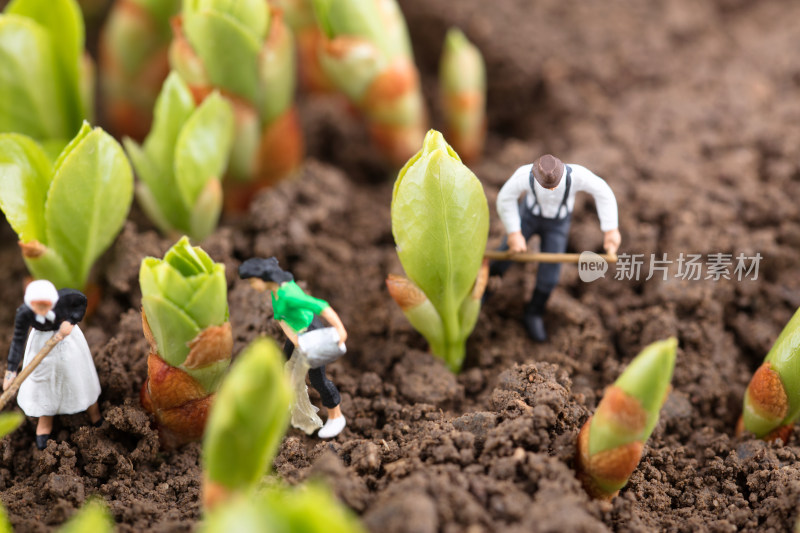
{"type": "Point", "coordinates": [202, 148]}
{"type": "Point", "coordinates": [29, 90]}
{"type": "Point", "coordinates": [89, 199]}
{"type": "Point", "coordinates": [228, 50]}
{"type": "Point", "coordinates": [25, 176]}
{"type": "Point", "coordinates": [63, 20]}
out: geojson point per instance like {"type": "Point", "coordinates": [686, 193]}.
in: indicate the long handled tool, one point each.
{"type": "Point", "coordinates": [30, 367]}
{"type": "Point", "coordinates": [542, 257]}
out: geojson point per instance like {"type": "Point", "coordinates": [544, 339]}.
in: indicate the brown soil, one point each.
{"type": "Point", "coordinates": [688, 109]}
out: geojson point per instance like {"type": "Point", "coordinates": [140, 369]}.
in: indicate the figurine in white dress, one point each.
{"type": "Point", "coordinates": [65, 382]}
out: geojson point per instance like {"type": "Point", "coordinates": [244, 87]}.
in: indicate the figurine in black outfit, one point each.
{"type": "Point", "coordinates": [65, 382]}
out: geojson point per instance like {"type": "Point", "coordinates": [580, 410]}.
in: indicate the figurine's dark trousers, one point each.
{"type": "Point", "coordinates": [325, 387]}
{"type": "Point", "coordinates": [553, 233]}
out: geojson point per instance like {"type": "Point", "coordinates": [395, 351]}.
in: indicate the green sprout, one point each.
{"type": "Point", "coordinates": [245, 50]}
{"type": "Point", "coordinates": [66, 213]}
{"type": "Point", "coordinates": [440, 222]}
{"type": "Point", "coordinates": [247, 423]}
{"type": "Point", "coordinates": [8, 423]}
{"type": "Point", "coordinates": [45, 78]}
{"type": "Point", "coordinates": [462, 83]}
{"type": "Point", "coordinates": [610, 443]}
{"type": "Point", "coordinates": [367, 56]}
{"type": "Point", "coordinates": [772, 399]}
{"type": "Point", "coordinates": [185, 320]}
{"type": "Point", "coordinates": [310, 508]}
{"type": "Point", "coordinates": [93, 516]}
{"type": "Point", "coordinates": [245, 428]}
{"type": "Point", "coordinates": [181, 163]}
{"type": "Point", "coordinates": [300, 17]}
{"type": "Point", "coordinates": [133, 62]}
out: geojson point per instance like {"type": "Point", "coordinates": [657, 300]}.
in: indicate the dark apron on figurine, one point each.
{"type": "Point", "coordinates": [553, 233]}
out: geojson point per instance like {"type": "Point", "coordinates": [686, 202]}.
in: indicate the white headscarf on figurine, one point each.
{"type": "Point", "coordinates": [38, 291]}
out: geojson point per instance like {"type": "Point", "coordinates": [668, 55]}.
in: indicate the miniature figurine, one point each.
{"type": "Point", "coordinates": [550, 187]}
{"type": "Point", "coordinates": [298, 313]}
{"type": "Point", "coordinates": [65, 382]}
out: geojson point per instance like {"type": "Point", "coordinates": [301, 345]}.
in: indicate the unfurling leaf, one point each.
{"type": "Point", "coordinates": [68, 213]}
{"type": "Point", "coordinates": [183, 159]}
{"type": "Point", "coordinates": [440, 223]}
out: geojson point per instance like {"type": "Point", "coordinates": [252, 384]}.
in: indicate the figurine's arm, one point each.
{"type": "Point", "coordinates": [290, 333]}
{"type": "Point", "coordinates": [74, 303]}
{"type": "Point", "coordinates": [508, 207]}
{"type": "Point", "coordinates": [606, 202]}
{"type": "Point", "coordinates": [22, 323]}
{"type": "Point", "coordinates": [333, 319]}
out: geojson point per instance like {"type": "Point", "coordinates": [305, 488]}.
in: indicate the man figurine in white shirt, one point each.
{"type": "Point", "coordinates": [546, 210]}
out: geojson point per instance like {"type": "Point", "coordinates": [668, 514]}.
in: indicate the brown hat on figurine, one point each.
{"type": "Point", "coordinates": [548, 170]}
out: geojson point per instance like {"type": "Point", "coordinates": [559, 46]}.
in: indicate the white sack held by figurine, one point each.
{"type": "Point", "coordinates": [321, 346]}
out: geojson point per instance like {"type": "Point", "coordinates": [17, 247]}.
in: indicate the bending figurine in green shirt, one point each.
{"type": "Point", "coordinates": [297, 312]}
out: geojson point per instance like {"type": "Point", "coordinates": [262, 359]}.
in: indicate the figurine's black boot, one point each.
{"type": "Point", "coordinates": [534, 316]}
{"type": "Point", "coordinates": [41, 441]}
{"type": "Point", "coordinates": [99, 422]}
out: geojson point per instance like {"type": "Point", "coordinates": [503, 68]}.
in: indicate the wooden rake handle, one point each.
{"type": "Point", "coordinates": [542, 257]}
{"type": "Point", "coordinates": [30, 367]}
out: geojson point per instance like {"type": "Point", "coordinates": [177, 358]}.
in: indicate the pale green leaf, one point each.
{"type": "Point", "coordinates": [228, 51]}
{"type": "Point", "coordinates": [154, 162]}
{"type": "Point", "coordinates": [161, 11]}
{"type": "Point", "coordinates": [203, 147]}
{"type": "Point", "coordinates": [440, 221]}
{"type": "Point", "coordinates": [10, 421]}
{"type": "Point", "coordinates": [24, 179]}
{"type": "Point", "coordinates": [209, 377]}
{"type": "Point", "coordinates": [172, 285]}
{"type": "Point", "coordinates": [163, 209]}
{"type": "Point", "coordinates": [209, 304]}
{"type": "Point", "coordinates": [89, 199]}
{"type": "Point", "coordinates": [189, 260]}
{"type": "Point", "coordinates": [253, 15]}
{"type": "Point", "coordinates": [52, 267]}
{"type": "Point", "coordinates": [30, 101]}
{"type": "Point", "coordinates": [277, 74]}
{"type": "Point", "coordinates": [174, 106]}
{"type": "Point", "coordinates": [171, 327]}
{"type": "Point", "coordinates": [93, 517]}
{"type": "Point", "coordinates": [85, 130]}
{"type": "Point", "coordinates": [62, 19]}
{"type": "Point", "coordinates": [353, 72]}
{"type": "Point", "coordinates": [206, 210]}
{"type": "Point", "coordinates": [249, 418]}
{"type": "Point", "coordinates": [5, 525]}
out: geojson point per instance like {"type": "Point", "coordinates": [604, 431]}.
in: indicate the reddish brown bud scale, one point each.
{"type": "Point", "coordinates": [168, 386]}
{"type": "Point", "coordinates": [622, 410]}
{"type": "Point", "coordinates": [312, 77]}
{"type": "Point", "coordinates": [178, 402]}
{"type": "Point", "coordinates": [280, 150]}
{"type": "Point", "coordinates": [213, 344]}
{"type": "Point", "coordinates": [185, 423]}
{"type": "Point", "coordinates": [32, 249]}
{"type": "Point", "coordinates": [783, 433]}
{"type": "Point", "coordinates": [148, 333]}
{"type": "Point", "coordinates": [214, 493]}
{"type": "Point", "coordinates": [396, 81]}
{"type": "Point", "coordinates": [481, 281]}
{"type": "Point", "coordinates": [404, 292]}
{"type": "Point", "coordinates": [767, 394]}
{"type": "Point", "coordinates": [612, 466]}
